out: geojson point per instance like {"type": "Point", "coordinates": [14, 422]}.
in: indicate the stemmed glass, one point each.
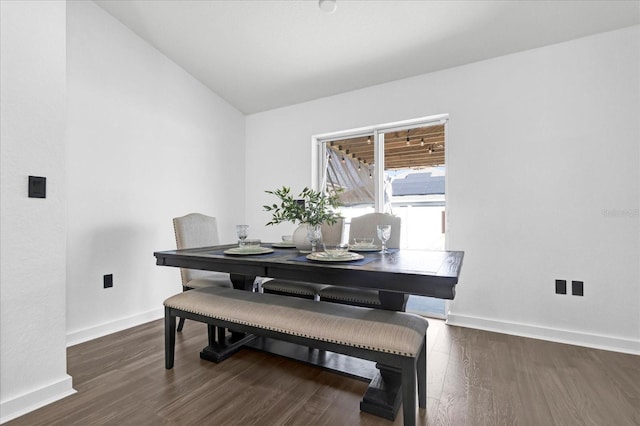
{"type": "Point", "coordinates": [242, 232]}
{"type": "Point", "coordinates": [384, 233]}
{"type": "Point", "coordinates": [314, 235]}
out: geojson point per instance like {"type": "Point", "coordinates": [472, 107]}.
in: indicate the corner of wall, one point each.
{"type": "Point", "coordinates": [38, 398]}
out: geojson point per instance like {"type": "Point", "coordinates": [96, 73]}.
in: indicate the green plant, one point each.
{"type": "Point", "coordinates": [310, 207]}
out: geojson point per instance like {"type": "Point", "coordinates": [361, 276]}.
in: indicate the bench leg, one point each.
{"type": "Point", "coordinates": [180, 324]}
{"type": "Point", "coordinates": [409, 375]}
{"type": "Point", "coordinates": [211, 334]}
{"type": "Point", "coordinates": [169, 338]}
{"type": "Point", "coordinates": [422, 375]}
{"type": "Point", "coordinates": [222, 335]}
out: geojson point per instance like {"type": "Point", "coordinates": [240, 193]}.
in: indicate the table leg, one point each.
{"type": "Point", "coordinates": [242, 282]}
{"type": "Point", "coordinates": [222, 345]}
{"type": "Point", "coordinates": [384, 394]}
{"type": "Point", "coordinates": [392, 301]}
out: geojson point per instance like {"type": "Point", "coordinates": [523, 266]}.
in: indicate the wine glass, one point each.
{"type": "Point", "coordinates": [384, 233]}
{"type": "Point", "coordinates": [242, 232]}
{"type": "Point", "coordinates": [314, 235]}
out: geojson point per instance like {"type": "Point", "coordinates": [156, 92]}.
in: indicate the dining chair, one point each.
{"type": "Point", "coordinates": [363, 226]}
{"type": "Point", "coordinates": [303, 289]}
{"type": "Point", "coordinates": [198, 230]}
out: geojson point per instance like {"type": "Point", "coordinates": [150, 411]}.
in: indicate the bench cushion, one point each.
{"type": "Point", "coordinates": [348, 294]}
{"type": "Point", "coordinates": [373, 329]}
{"type": "Point", "coordinates": [293, 287]}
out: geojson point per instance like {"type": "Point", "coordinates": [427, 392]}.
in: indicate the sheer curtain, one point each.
{"type": "Point", "coordinates": [355, 179]}
{"type": "Point", "coordinates": [346, 174]}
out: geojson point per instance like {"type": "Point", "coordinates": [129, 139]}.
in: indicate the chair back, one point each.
{"type": "Point", "coordinates": [365, 226]}
{"type": "Point", "coordinates": [192, 231]}
{"type": "Point", "coordinates": [333, 232]}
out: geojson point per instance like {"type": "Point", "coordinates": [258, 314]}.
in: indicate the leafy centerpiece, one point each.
{"type": "Point", "coordinates": [311, 208]}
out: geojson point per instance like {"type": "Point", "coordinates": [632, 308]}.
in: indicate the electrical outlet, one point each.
{"type": "Point", "coordinates": [561, 286]}
{"type": "Point", "coordinates": [107, 281]}
{"type": "Point", "coordinates": [577, 288]}
{"type": "Point", "coordinates": [37, 187]}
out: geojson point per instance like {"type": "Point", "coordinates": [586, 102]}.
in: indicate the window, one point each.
{"type": "Point", "coordinates": [396, 168]}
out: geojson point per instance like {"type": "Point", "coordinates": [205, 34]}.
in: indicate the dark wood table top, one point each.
{"type": "Point", "coordinates": [418, 272]}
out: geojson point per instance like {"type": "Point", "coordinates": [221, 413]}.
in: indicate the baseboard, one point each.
{"type": "Point", "coordinates": [30, 401]}
{"type": "Point", "coordinates": [596, 341]}
{"type": "Point", "coordinates": [90, 333]}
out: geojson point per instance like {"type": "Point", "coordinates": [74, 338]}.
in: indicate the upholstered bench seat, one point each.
{"type": "Point", "coordinates": [396, 339]}
{"type": "Point", "coordinates": [293, 288]}
{"type": "Point", "coordinates": [348, 295]}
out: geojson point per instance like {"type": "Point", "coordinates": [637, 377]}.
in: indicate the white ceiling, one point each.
{"type": "Point", "coordinates": [260, 55]}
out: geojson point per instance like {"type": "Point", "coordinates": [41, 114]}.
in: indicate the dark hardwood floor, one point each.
{"type": "Point", "coordinates": [474, 378]}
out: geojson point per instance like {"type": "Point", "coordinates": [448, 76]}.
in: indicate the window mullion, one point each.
{"type": "Point", "coordinates": [378, 174]}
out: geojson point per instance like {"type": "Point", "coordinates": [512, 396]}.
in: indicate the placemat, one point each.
{"type": "Point", "coordinates": [222, 253]}
{"type": "Point", "coordinates": [364, 261]}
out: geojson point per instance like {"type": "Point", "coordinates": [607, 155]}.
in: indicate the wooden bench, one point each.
{"type": "Point", "coordinates": [395, 339]}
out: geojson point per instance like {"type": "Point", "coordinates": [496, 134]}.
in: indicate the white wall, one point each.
{"type": "Point", "coordinates": [146, 143]}
{"type": "Point", "coordinates": [543, 181]}
{"type": "Point", "coordinates": [33, 360]}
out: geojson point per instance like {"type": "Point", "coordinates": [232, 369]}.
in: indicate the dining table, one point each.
{"type": "Point", "coordinates": [396, 275]}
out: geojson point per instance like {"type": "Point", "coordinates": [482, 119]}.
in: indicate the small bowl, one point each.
{"type": "Point", "coordinates": [251, 243]}
{"type": "Point", "coordinates": [287, 239]}
{"type": "Point", "coordinates": [336, 250]}
{"type": "Point", "coordinates": [363, 241]}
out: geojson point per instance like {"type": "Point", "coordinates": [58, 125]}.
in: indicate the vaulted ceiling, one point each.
{"type": "Point", "coordinates": [260, 55]}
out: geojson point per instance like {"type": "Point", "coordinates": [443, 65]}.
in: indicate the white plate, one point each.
{"type": "Point", "coordinates": [283, 245]}
{"type": "Point", "coordinates": [324, 257]}
{"type": "Point", "coordinates": [245, 251]}
{"type": "Point", "coordinates": [365, 248]}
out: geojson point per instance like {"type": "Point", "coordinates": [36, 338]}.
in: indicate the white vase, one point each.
{"type": "Point", "coordinates": [300, 239]}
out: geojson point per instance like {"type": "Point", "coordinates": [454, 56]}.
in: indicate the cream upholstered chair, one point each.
{"type": "Point", "coordinates": [198, 230]}
{"type": "Point", "coordinates": [300, 288]}
{"type": "Point", "coordinates": [364, 226]}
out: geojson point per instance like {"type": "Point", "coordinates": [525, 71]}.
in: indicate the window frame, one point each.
{"type": "Point", "coordinates": [318, 159]}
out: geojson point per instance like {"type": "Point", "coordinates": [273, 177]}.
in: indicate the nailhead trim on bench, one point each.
{"type": "Point", "coordinates": [383, 331]}
{"type": "Point", "coordinates": [293, 287]}
{"type": "Point", "coordinates": [348, 294]}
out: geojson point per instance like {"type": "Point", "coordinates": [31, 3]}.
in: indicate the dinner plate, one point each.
{"type": "Point", "coordinates": [365, 248]}
{"type": "Point", "coordinates": [324, 257]}
{"type": "Point", "coordinates": [283, 245]}
{"type": "Point", "coordinates": [245, 251]}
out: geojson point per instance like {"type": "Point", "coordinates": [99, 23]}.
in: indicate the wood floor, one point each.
{"type": "Point", "coordinates": [474, 378]}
